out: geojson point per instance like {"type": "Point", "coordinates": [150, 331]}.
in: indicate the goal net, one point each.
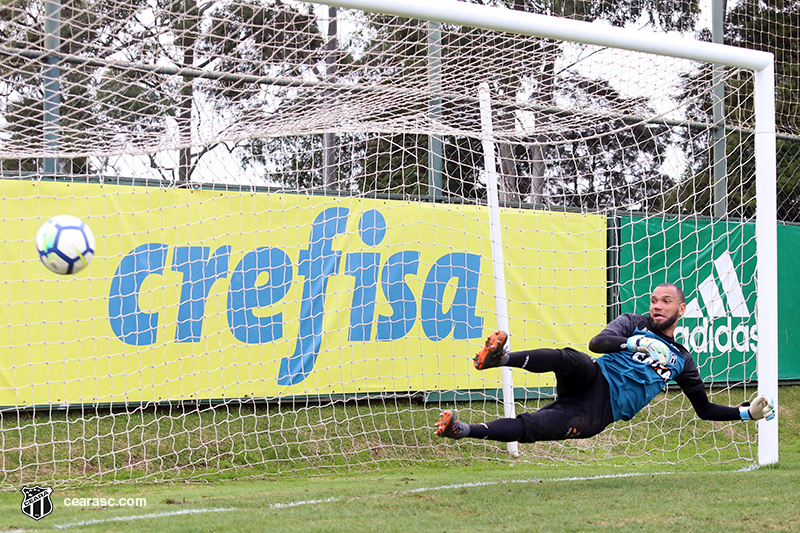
{"type": "Point", "coordinates": [309, 218]}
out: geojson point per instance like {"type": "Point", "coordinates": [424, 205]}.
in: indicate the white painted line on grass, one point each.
{"type": "Point", "coordinates": [198, 510]}
{"type": "Point", "coordinates": [143, 516]}
{"type": "Point", "coordinates": [287, 505]}
{"type": "Point", "coordinates": [305, 502]}
{"type": "Point", "coordinates": [533, 480]}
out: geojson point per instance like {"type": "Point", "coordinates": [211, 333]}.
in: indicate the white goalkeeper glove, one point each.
{"type": "Point", "coordinates": [762, 407]}
{"type": "Point", "coordinates": [654, 347]}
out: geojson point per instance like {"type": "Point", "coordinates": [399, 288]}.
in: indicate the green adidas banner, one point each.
{"type": "Point", "coordinates": [715, 264]}
{"type": "Point", "coordinates": [788, 302]}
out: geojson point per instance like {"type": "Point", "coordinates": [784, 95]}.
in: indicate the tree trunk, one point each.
{"type": "Point", "coordinates": [539, 148]}
{"type": "Point", "coordinates": [536, 154]}
{"type": "Point", "coordinates": [510, 176]}
{"type": "Point", "coordinates": [186, 41]}
{"type": "Point", "coordinates": [329, 139]}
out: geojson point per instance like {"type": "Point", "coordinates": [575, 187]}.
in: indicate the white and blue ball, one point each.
{"type": "Point", "coordinates": [65, 244]}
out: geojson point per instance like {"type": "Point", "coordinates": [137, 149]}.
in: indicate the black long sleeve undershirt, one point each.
{"type": "Point", "coordinates": [606, 343]}
{"type": "Point", "coordinates": [693, 387]}
{"type": "Point", "coordinates": [616, 334]}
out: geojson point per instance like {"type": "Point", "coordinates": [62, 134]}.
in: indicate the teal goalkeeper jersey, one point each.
{"type": "Point", "coordinates": [635, 378]}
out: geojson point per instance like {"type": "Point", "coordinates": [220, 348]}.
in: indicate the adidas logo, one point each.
{"type": "Point", "coordinates": [723, 323]}
{"type": "Point", "coordinates": [708, 289]}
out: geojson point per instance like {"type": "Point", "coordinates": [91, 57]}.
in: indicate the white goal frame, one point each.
{"type": "Point", "coordinates": [761, 63]}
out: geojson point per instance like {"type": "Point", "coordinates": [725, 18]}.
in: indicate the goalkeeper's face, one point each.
{"type": "Point", "coordinates": [666, 307]}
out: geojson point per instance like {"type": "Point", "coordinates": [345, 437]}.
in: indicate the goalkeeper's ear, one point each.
{"type": "Point", "coordinates": [762, 407]}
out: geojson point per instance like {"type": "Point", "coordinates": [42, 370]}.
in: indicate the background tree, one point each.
{"type": "Point", "coordinates": [101, 32]}
{"type": "Point", "coordinates": [606, 163]}
{"type": "Point", "coordinates": [138, 108]}
{"type": "Point", "coordinates": [398, 51]}
{"type": "Point", "coordinates": [772, 26]}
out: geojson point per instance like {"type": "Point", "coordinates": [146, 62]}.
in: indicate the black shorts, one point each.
{"type": "Point", "coordinates": [582, 408]}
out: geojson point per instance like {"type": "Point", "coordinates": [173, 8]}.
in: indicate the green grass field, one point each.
{"type": "Point", "coordinates": [454, 499]}
{"type": "Point", "coordinates": [480, 495]}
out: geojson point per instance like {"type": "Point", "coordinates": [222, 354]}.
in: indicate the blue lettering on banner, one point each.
{"type": "Point", "coordinates": [460, 318]}
{"type": "Point", "coordinates": [244, 295]}
{"type": "Point", "coordinates": [317, 263]}
{"type": "Point", "coordinates": [199, 274]}
{"type": "Point", "coordinates": [364, 267]}
{"type": "Point", "coordinates": [264, 276]}
{"type": "Point", "coordinates": [399, 295]}
{"type": "Point", "coordinates": [128, 322]}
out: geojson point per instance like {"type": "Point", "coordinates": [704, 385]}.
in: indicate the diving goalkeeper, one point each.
{"type": "Point", "coordinates": [639, 356]}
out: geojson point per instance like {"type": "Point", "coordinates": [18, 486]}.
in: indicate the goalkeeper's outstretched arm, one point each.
{"type": "Point", "coordinates": [692, 386]}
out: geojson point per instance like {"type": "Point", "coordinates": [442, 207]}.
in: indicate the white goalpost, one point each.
{"type": "Point", "coordinates": [498, 262]}
{"type": "Point", "coordinates": [309, 216]}
{"type": "Point", "coordinates": [761, 63]}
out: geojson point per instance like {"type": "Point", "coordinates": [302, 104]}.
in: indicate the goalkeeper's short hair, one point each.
{"type": "Point", "coordinates": [678, 290]}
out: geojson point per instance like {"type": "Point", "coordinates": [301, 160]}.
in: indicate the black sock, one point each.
{"type": "Point", "coordinates": [538, 360]}
{"type": "Point", "coordinates": [502, 429]}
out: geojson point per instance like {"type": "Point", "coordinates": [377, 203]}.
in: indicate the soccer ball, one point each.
{"type": "Point", "coordinates": [65, 244]}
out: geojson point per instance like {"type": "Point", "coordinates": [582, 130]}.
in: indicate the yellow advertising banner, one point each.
{"type": "Point", "coordinates": [214, 294]}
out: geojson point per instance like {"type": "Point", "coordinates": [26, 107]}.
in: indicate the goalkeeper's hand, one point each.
{"type": "Point", "coordinates": [654, 347]}
{"type": "Point", "coordinates": [762, 407]}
